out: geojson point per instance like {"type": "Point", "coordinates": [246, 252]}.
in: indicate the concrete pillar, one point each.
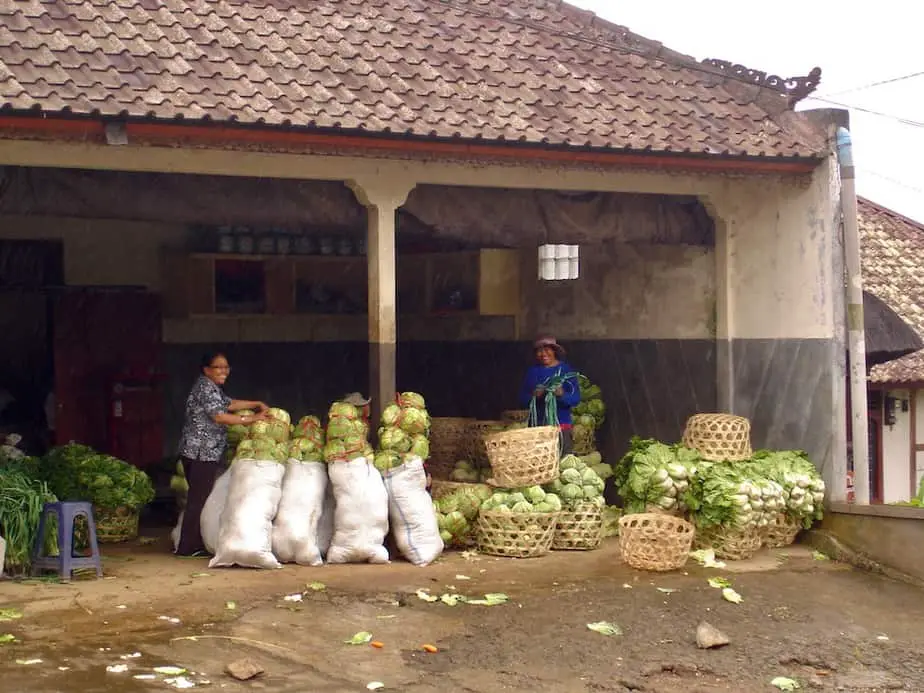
{"type": "Point", "coordinates": [382, 198]}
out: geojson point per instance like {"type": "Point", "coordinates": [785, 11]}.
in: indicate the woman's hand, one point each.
{"type": "Point", "coordinates": [261, 406]}
{"type": "Point", "coordinates": [539, 391]}
{"type": "Point", "coordinates": [559, 391]}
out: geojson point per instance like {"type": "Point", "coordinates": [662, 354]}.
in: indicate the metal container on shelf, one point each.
{"type": "Point", "coordinates": [345, 246]}
{"type": "Point", "coordinates": [225, 239]}
{"type": "Point", "coordinates": [306, 245]}
{"type": "Point", "coordinates": [266, 243]}
{"type": "Point", "coordinates": [327, 245]}
{"type": "Point", "coordinates": [245, 241]}
{"type": "Point", "coordinates": [283, 243]}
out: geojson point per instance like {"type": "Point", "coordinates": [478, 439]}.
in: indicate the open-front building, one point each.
{"type": "Point", "coordinates": [354, 197]}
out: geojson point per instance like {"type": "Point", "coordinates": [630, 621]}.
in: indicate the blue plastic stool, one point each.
{"type": "Point", "coordinates": [66, 562]}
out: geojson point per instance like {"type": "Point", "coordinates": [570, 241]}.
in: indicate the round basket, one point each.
{"type": "Point", "coordinates": [583, 440]}
{"type": "Point", "coordinates": [450, 441]}
{"type": "Point", "coordinates": [476, 449]}
{"type": "Point", "coordinates": [116, 525]}
{"type": "Point", "coordinates": [580, 529]}
{"type": "Point", "coordinates": [719, 437]}
{"type": "Point", "coordinates": [515, 416]}
{"type": "Point", "coordinates": [441, 488]}
{"type": "Point", "coordinates": [523, 457]}
{"type": "Point", "coordinates": [730, 544]}
{"type": "Point", "coordinates": [781, 532]}
{"type": "Point", "coordinates": [515, 535]}
{"type": "Point", "coordinates": [655, 542]}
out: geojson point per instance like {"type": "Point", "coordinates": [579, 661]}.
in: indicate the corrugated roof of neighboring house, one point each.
{"type": "Point", "coordinates": [531, 71]}
{"type": "Point", "coordinates": [892, 248]}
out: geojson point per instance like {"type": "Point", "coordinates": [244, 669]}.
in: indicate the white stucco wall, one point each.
{"type": "Point", "coordinates": [896, 449]}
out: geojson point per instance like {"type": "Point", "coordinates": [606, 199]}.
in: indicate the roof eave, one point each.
{"type": "Point", "coordinates": [209, 133]}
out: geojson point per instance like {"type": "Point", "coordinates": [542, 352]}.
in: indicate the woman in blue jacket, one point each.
{"type": "Point", "coordinates": [550, 363]}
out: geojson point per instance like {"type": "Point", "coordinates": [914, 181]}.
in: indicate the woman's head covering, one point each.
{"type": "Point", "coordinates": [550, 342]}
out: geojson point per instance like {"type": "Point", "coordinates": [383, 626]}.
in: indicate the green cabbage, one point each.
{"type": "Point", "coordinates": [570, 476]}
{"type": "Point", "coordinates": [386, 459]}
{"type": "Point", "coordinates": [534, 494]}
{"type": "Point", "coordinates": [420, 447]}
{"type": "Point", "coordinates": [344, 410]}
{"type": "Point", "coordinates": [391, 416]}
{"type": "Point", "coordinates": [279, 415]}
{"type": "Point", "coordinates": [411, 400]}
{"type": "Point", "coordinates": [415, 421]}
{"type": "Point", "coordinates": [392, 438]}
{"type": "Point", "coordinates": [522, 507]}
{"type": "Point", "coordinates": [344, 427]}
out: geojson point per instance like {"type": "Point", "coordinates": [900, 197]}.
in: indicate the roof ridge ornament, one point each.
{"type": "Point", "coordinates": [796, 88]}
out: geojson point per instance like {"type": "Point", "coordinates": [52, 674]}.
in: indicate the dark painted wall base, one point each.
{"type": "Point", "coordinates": [650, 386]}
{"type": "Point", "coordinates": [785, 387]}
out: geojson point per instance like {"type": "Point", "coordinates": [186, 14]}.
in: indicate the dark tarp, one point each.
{"type": "Point", "coordinates": [888, 337]}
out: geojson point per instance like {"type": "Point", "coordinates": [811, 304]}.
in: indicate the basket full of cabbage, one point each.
{"type": "Point", "coordinates": [518, 523]}
{"type": "Point", "coordinates": [577, 483]}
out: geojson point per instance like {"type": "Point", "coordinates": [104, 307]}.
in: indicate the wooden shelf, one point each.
{"type": "Point", "coordinates": [490, 278]}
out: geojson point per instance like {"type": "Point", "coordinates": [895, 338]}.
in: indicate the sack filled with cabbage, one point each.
{"type": "Point", "coordinates": [410, 511]}
{"type": "Point", "coordinates": [246, 524]}
{"type": "Point", "coordinates": [576, 483]}
{"type": "Point", "coordinates": [360, 512]}
{"type": "Point", "coordinates": [262, 449]}
{"type": "Point", "coordinates": [295, 527]}
{"type": "Point", "coordinates": [347, 434]}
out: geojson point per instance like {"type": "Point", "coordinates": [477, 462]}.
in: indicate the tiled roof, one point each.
{"type": "Point", "coordinates": [892, 248]}
{"type": "Point", "coordinates": [536, 71]}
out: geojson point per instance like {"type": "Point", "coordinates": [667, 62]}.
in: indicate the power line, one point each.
{"type": "Point", "coordinates": [860, 109]}
{"type": "Point", "coordinates": [864, 87]}
{"type": "Point", "coordinates": [889, 179]}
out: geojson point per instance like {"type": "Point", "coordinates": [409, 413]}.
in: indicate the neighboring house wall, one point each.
{"type": "Point", "coordinates": [895, 451]}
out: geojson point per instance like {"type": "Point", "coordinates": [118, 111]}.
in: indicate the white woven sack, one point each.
{"type": "Point", "coordinates": [360, 513]}
{"type": "Point", "coordinates": [410, 513]}
{"type": "Point", "coordinates": [210, 517]}
{"type": "Point", "coordinates": [246, 534]}
{"type": "Point", "coordinates": [295, 529]}
{"type": "Point", "coordinates": [326, 524]}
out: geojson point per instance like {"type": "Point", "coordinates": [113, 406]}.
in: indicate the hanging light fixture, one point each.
{"type": "Point", "coordinates": [558, 262]}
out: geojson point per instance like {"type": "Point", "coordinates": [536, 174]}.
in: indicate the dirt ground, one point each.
{"type": "Point", "coordinates": [825, 625]}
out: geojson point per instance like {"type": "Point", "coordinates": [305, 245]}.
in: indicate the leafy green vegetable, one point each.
{"type": "Point", "coordinates": [22, 499]}
{"type": "Point", "coordinates": [77, 472]}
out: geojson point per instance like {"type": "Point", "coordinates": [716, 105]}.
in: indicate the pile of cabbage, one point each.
{"type": "Point", "coordinates": [466, 472]}
{"type": "Point", "coordinates": [307, 443]}
{"type": "Point", "coordinates": [404, 432]}
{"type": "Point", "coordinates": [590, 411]}
{"type": "Point", "coordinates": [532, 499]}
{"type": "Point", "coordinates": [803, 489]}
{"type": "Point", "coordinates": [656, 475]}
{"type": "Point", "coordinates": [347, 435]}
{"type": "Point", "coordinates": [456, 513]}
{"type": "Point", "coordinates": [577, 483]}
{"type": "Point", "coordinates": [266, 440]}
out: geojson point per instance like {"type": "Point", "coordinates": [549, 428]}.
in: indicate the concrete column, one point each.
{"type": "Point", "coordinates": [382, 199]}
{"type": "Point", "coordinates": [724, 299]}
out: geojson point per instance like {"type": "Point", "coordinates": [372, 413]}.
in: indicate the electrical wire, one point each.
{"type": "Point", "coordinates": [871, 85]}
{"type": "Point", "coordinates": [869, 111]}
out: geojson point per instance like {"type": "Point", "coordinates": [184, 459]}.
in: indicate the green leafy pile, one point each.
{"type": "Point", "coordinates": [77, 472]}
{"type": "Point", "coordinates": [456, 513]}
{"type": "Point", "coordinates": [803, 489]}
{"type": "Point", "coordinates": [308, 443]}
{"type": "Point", "coordinates": [531, 499]}
{"type": "Point", "coordinates": [576, 483]}
{"type": "Point", "coordinates": [22, 498]}
{"type": "Point", "coordinates": [467, 472]}
{"type": "Point", "coordinates": [918, 500]}
{"type": "Point", "coordinates": [590, 411]}
{"type": "Point", "coordinates": [347, 434]}
{"type": "Point", "coordinates": [734, 496]}
{"type": "Point", "coordinates": [655, 475]}
{"type": "Point", "coordinates": [404, 431]}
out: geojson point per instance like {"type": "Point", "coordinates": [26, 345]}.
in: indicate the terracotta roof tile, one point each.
{"type": "Point", "coordinates": [538, 71]}
{"type": "Point", "coordinates": [892, 248]}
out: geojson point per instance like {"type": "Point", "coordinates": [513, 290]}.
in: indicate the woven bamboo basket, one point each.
{"type": "Point", "coordinates": [515, 416]}
{"type": "Point", "coordinates": [515, 535]}
{"type": "Point", "coordinates": [116, 525]}
{"type": "Point", "coordinates": [719, 437]}
{"type": "Point", "coordinates": [450, 441]}
{"type": "Point", "coordinates": [441, 488]}
{"type": "Point", "coordinates": [476, 449]}
{"type": "Point", "coordinates": [730, 544]}
{"type": "Point", "coordinates": [655, 542]}
{"type": "Point", "coordinates": [523, 457]}
{"type": "Point", "coordinates": [584, 440]}
{"type": "Point", "coordinates": [580, 529]}
{"type": "Point", "coordinates": [781, 532]}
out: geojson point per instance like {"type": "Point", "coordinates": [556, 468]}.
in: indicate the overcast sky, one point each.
{"type": "Point", "coordinates": [877, 41]}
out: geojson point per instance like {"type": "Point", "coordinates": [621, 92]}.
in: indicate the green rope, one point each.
{"type": "Point", "coordinates": [551, 404]}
